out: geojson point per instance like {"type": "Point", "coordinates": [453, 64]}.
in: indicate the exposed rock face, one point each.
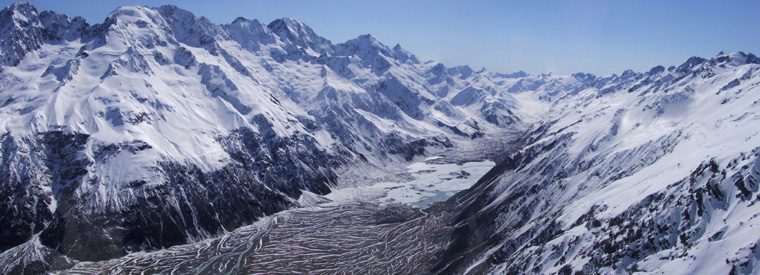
{"type": "Point", "coordinates": [157, 128]}
{"type": "Point", "coordinates": [651, 172]}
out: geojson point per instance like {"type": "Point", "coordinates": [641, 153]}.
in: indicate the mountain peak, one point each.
{"type": "Point", "coordinates": [463, 71]}
{"type": "Point", "coordinates": [189, 29]}
{"type": "Point", "coordinates": [292, 31]}
{"type": "Point", "coordinates": [290, 25]}
{"type": "Point", "coordinates": [371, 51]}
{"type": "Point", "coordinates": [367, 37]}
{"type": "Point", "coordinates": [690, 63]}
{"type": "Point", "coordinates": [170, 12]}
{"type": "Point", "coordinates": [367, 41]}
{"type": "Point", "coordinates": [403, 55]}
{"type": "Point", "coordinates": [656, 70]}
{"type": "Point", "coordinates": [22, 8]}
{"type": "Point", "coordinates": [170, 9]}
{"type": "Point", "coordinates": [250, 23]}
{"type": "Point", "coordinates": [20, 32]}
{"type": "Point", "coordinates": [21, 13]}
{"type": "Point", "coordinates": [250, 34]}
{"type": "Point", "coordinates": [628, 74]}
{"type": "Point", "coordinates": [127, 11]}
{"type": "Point", "coordinates": [734, 59]}
{"type": "Point", "coordinates": [98, 128]}
{"type": "Point", "coordinates": [240, 20]}
{"type": "Point", "coordinates": [173, 13]}
{"type": "Point", "coordinates": [439, 69]}
{"type": "Point", "coordinates": [584, 77]}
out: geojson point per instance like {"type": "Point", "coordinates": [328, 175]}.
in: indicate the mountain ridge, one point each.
{"type": "Point", "coordinates": [128, 91]}
{"type": "Point", "coordinates": [157, 128]}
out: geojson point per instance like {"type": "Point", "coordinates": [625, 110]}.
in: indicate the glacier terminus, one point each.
{"type": "Point", "coordinates": [160, 142]}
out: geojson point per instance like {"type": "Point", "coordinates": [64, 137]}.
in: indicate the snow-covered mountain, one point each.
{"type": "Point", "coordinates": [157, 128]}
{"type": "Point", "coordinates": [655, 172]}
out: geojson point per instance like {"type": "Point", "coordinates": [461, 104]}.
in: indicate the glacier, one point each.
{"type": "Point", "coordinates": [158, 134]}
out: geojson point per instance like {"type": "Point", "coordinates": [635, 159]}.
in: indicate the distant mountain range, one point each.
{"type": "Point", "coordinates": [157, 128]}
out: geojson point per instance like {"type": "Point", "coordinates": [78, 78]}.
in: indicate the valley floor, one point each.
{"type": "Point", "coordinates": [356, 238]}
{"type": "Point", "coordinates": [376, 226]}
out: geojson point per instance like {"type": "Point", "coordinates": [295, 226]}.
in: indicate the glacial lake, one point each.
{"type": "Point", "coordinates": [430, 183]}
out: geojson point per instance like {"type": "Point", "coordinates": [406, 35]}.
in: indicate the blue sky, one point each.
{"type": "Point", "coordinates": [562, 37]}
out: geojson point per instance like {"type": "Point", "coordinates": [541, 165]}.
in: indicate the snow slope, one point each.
{"type": "Point", "coordinates": [157, 127]}
{"type": "Point", "coordinates": [653, 172]}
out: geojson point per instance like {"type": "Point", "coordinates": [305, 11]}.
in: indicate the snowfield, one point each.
{"type": "Point", "coordinates": [647, 174]}
{"type": "Point", "coordinates": [426, 183]}
{"type": "Point", "coordinates": [158, 141]}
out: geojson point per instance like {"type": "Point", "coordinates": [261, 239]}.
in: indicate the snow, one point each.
{"type": "Point", "coordinates": [618, 149]}
{"type": "Point", "coordinates": [181, 85]}
{"type": "Point", "coordinates": [429, 183]}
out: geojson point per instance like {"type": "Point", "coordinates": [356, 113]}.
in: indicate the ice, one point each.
{"type": "Point", "coordinates": [179, 86]}
{"type": "Point", "coordinates": [430, 183]}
